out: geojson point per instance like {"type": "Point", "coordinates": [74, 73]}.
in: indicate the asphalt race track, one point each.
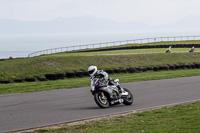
{"type": "Point", "coordinates": [38, 109]}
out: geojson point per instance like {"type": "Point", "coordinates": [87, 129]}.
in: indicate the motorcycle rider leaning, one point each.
{"type": "Point", "coordinates": [94, 72]}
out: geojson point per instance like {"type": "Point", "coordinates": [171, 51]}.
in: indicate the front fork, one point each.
{"type": "Point", "coordinates": [102, 95]}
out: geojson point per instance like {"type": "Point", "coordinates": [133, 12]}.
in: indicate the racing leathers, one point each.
{"type": "Point", "coordinates": [99, 74]}
{"type": "Point", "coordinates": [104, 75]}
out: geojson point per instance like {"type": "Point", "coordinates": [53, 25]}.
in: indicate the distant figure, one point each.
{"type": "Point", "coordinates": [192, 49]}
{"type": "Point", "coordinates": [168, 50]}
{"type": "Point", "coordinates": [10, 57]}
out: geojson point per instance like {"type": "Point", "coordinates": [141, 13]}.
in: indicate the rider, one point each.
{"type": "Point", "coordinates": [94, 72]}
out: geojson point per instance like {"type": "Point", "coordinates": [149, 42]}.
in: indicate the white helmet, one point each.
{"type": "Point", "coordinates": [92, 70]}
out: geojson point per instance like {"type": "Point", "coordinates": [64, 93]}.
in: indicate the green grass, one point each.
{"type": "Point", "coordinates": [85, 81]}
{"type": "Point", "coordinates": [162, 50]}
{"type": "Point", "coordinates": [71, 62]}
{"type": "Point", "coordinates": [165, 43]}
{"type": "Point", "coordinates": [152, 43]}
{"type": "Point", "coordinates": [179, 119]}
{"type": "Point", "coordinates": [39, 66]}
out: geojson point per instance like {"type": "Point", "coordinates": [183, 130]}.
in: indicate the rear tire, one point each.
{"type": "Point", "coordinates": [128, 100]}
{"type": "Point", "coordinates": [101, 99]}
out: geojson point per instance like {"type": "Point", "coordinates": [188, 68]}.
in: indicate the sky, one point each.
{"type": "Point", "coordinates": [152, 12]}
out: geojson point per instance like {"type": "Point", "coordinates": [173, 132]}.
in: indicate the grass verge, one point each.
{"type": "Point", "coordinates": [39, 66]}
{"type": "Point", "coordinates": [179, 119]}
{"type": "Point", "coordinates": [162, 50]}
{"type": "Point", "coordinates": [148, 44]}
{"type": "Point", "coordinates": [164, 43]}
{"type": "Point", "coordinates": [85, 81]}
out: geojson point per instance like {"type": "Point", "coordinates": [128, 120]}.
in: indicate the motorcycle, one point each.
{"type": "Point", "coordinates": [106, 94]}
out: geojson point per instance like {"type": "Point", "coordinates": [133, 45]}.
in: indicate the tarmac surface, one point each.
{"type": "Point", "coordinates": [39, 109]}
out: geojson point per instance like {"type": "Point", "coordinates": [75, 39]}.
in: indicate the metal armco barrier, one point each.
{"type": "Point", "coordinates": [109, 44]}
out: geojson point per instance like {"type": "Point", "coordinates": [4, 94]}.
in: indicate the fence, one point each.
{"type": "Point", "coordinates": [115, 43]}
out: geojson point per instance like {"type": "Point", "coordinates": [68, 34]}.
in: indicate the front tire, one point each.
{"type": "Point", "coordinates": [128, 100]}
{"type": "Point", "coordinates": [101, 99]}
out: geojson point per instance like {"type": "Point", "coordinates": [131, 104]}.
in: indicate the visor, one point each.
{"type": "Point", "coordinates": [91, 71]}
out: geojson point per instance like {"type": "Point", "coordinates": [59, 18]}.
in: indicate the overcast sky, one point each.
{"type": "Point", "coordinates": [153, 12]}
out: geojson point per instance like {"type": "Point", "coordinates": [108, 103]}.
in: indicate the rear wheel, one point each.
{"type": "Point", "coordinates": [128, 100]}
{"type": "Point", "coordinates": [101, 99]}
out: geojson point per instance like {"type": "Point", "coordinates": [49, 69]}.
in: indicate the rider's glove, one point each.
{"type": "Point", "coordinates": [116, 80]}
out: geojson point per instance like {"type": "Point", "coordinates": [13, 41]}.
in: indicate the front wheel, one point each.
{"type": "Point", "coordinates": [128, 100]}
{"type": "Point", "coordinates": [101, 99]}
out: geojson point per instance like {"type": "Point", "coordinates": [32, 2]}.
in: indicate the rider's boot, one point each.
{"type": "Point", "coordinates": [121, 90]}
